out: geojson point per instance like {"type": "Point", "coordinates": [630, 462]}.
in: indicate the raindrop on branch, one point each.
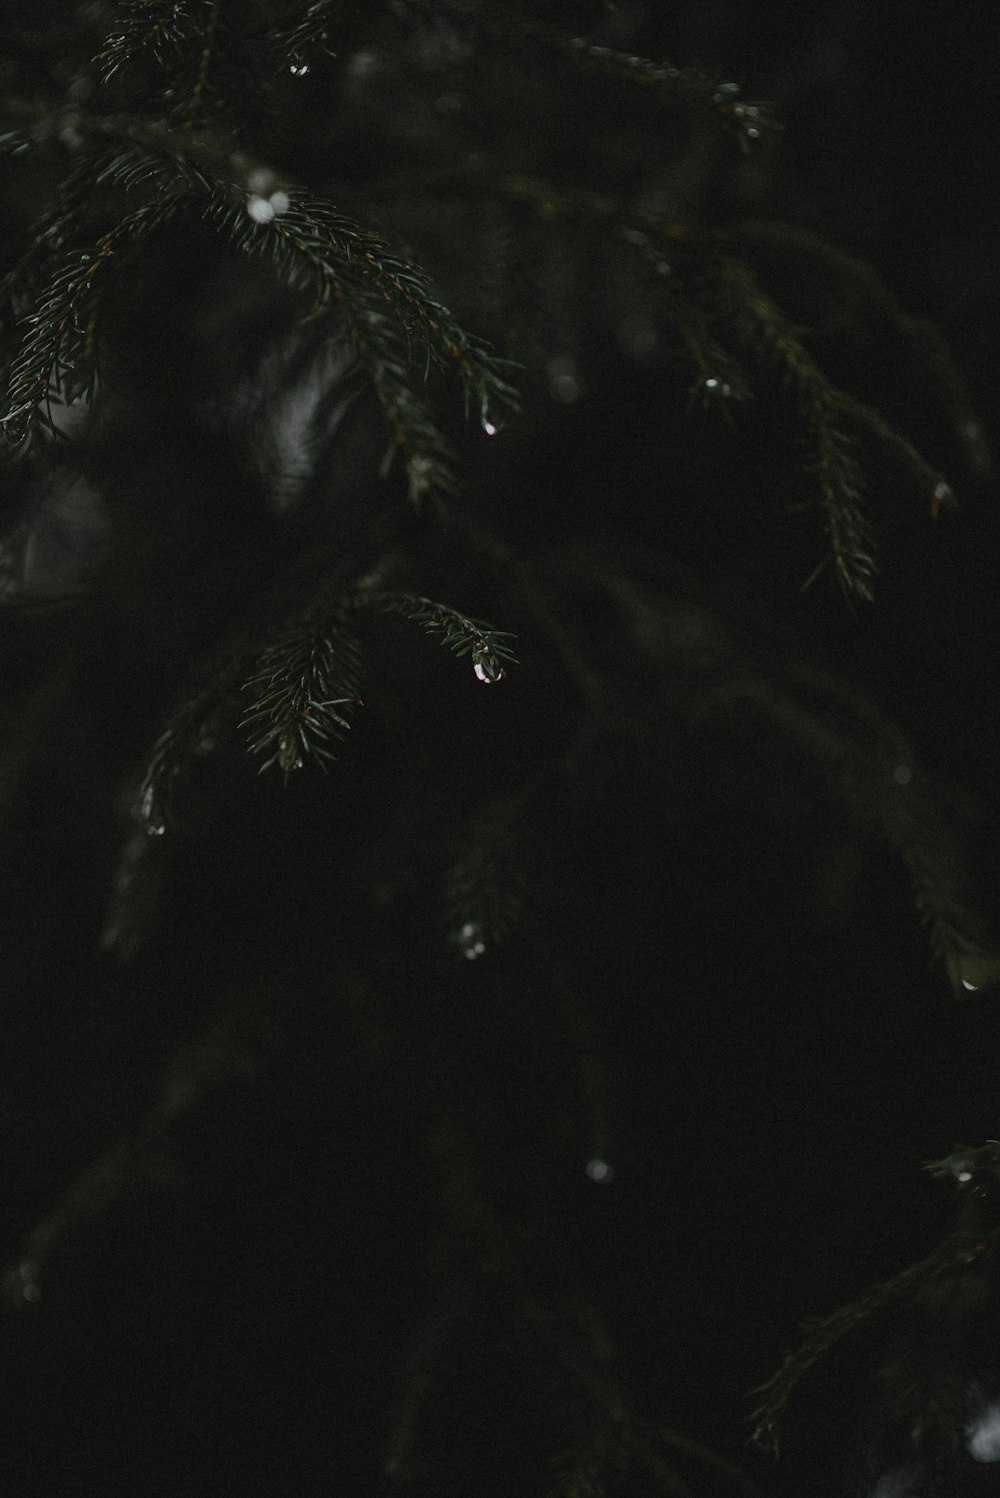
{"type": "Point", "coordinates": [565, 385]}
{"type": "Point", "coordinates": [469, 940]}
{"type": "Point", "coordinates": [490, 427]}
{"type": "Point", "coordinates": [488, 674]}
{"type": "Point", "coordinates": [600, 1171]}
{"type": "Point", "coordinates": [27, 1274]}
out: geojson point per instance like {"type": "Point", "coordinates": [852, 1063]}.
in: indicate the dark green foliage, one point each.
{"type": "Point", "coordinates": [461, 1086]}
{"type": "Point", "coordinates": [296, 688]}
{"type": "Point", "coordinates": [486, 646]}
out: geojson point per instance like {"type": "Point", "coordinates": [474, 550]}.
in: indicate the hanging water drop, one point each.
{"type": "Point", "coordinates": [489, 426]}
{"type": "Point", "coordinates": [565, 385]}
{"type": "Point", "coordinates": [600, 1171]}
{"type": "Point", "coordinates": [469, 940]}
{"type": "Point", "coordinates": [27, 1273]}
{"type": "Point", "coordinates": [420, 472]}
{"type": "Point", "coordinates": [983, 1430]}
{"type": "Point", "coordinates": [148, 815]}
{"type": "Point", "coordinates": [260, 209]}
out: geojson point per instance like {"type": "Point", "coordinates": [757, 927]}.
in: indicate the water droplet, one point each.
{"type": "Point", "coordinates": [983, 1432]}
{"type": "Point", "coordinates": [490, 427]}
{"type": "Point", "coordinates": [565, 389]}
{"type": "Point", "coordinates": [753, 132]}
{"type": "Point", "coordinates": [970, 986]}
{"type": "Point", "coordinates": [600, 1171]}
{"type": "Point", "coordinates": [488, 674]}
{"type": "Point", "coordinates": [362, 64]}
{"type": "Point", "coordinates": [280, 201]}
{"type": "Point", "coordinates": [565, 385]}
{"type": "Point", "coordinates": [902, 774]}
{"type": "Point", "coordinates": [27, 1273]}
{"type": "Point", "coordinates": [419, 471]}
{"type": "Point", "coordinates": [964, 1175]}
{"type": "Point", "coordinates": [943, 497]}
{"type": "Point", "coordinates": [711, 384]}
{"type": "Point", "coordinates": [469, 940]}
{"type": "Point", "coordinates": [260, 209]}
{"type": "Point", "coordinates": [149, 816]}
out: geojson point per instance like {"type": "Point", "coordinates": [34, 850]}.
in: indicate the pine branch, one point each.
{"type": "Point", "coordinates": [954, 1257]}
{"type": "Point", "coordinates": [855, 285]}
{"type": "Point", "coordinates": [58, 357]}
{"type": "Point", "coordinates": [644, 1437]}
{"type": "Point", "coordinates": [463, 635]}
{"type": "Point", "coordinates": [484, 884]}
{"type": "Point", "coordinates": [750, 122]}
{"type": "Point", "coordinates": [191, 731]}
{"type": "Point", "coordinates": [388, 312]}
{"type": "Point", "coordinates": [383, 303]}
{"type": "Point", "coordinates": [300, 680]}
{"type": "Point", "coordinates": [880, 781]}
{"type": "Point", "coordinates": [162, 29]}
{"type": "Point", "coordinates": [762, 327]}
{"type": "Point", "coordinates": [135, 893]}
{"type": "Point", "coordinates": [47, 235]}
{"type": "Point", "coordinates": [669, 254]}
{"type": "Point", "coordinates": [885, 783]}
{"type": "Point", "coordinates": [417, 1380]}
{"type": "Point", "coordinates": [310, 34]}
{"type": "Point", "coordinates": [931, 485]}
{"type": "Point", "coordinates": [228, 1047]}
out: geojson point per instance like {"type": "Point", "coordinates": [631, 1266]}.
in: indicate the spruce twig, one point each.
{"type": "Point", "coordinates": [760, 324]}
{"type": "Point", "coordinates": [880, 780]}
{"type": "Point", "coordinates": [463, 635]}
{"type": "Point", "coordinates": [298, 684]}
{"type": "Point", "coordinates": [955, 1256]}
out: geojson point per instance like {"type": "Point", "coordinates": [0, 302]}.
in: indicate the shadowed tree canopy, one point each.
{"type": "Point", "coordinates": [498, 770]}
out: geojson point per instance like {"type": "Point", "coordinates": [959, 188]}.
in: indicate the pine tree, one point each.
{"type": "Point", "coordinates": [490, 863]}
